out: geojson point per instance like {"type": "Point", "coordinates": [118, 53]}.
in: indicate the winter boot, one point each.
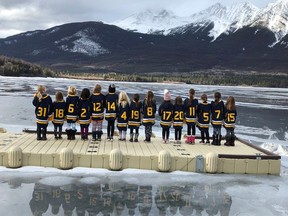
{"type": "Point", "coordinates": [188, 139]}
{"type": "Point", "coordinates": [94, 135]}
{"type": "Point", "coordinates": [99, 135]}
{"type": "Point", "coordinates": [73, 132]}
{"type": "Point", "coordinates": [55, 133]}
{"type": "Point", "coordinates": [228, 140]}
{"type": "Point", "coordinates": [192, 139]}
{"type": "Point", "coordinates": [131, 137]}
{"type": "Point", "coordinates": [232, 140]}
{"type": "Point", "coordinates": [68, 132]}
{"type": "Point", "coordinates": [136, 137]}
{"type": "Point", "coordinates": [214, 140]}
{"type": "Point", "coordinates": [44, 131]}
{"type": "Point", "coordinates": [219, 140]}
{"type": "Point", "coordinates": [39, 133]}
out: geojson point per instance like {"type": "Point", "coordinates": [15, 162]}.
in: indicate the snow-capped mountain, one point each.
{"type": "Point", "coordinates": [152, 21]}
{"type": "Point", "coordinates": [224, 19]}
{"type": "Point", "coordinates": [275, 18]}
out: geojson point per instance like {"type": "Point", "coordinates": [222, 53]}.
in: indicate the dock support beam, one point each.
{"type": "Point", "coordinates": [211, 162]}
{"type": "Point", "coordinates": [116, 159]}
{"type": "Point", "coordinates": [66, 158]}
{"type": "Point", "coordinates": [164, 161]}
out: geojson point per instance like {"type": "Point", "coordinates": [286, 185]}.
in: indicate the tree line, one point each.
{"type": "Point", "coordinates": [15, 67]}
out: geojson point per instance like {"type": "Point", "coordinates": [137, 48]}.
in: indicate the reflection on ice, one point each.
{"type": "Point", "coordinates": [129, 199]}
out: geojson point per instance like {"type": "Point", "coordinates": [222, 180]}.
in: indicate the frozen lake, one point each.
{"type": "Point", "coordinates": [262, 120]}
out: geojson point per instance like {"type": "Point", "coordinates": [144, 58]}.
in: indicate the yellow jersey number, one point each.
{"type": "Point", "coordinates": [149, 111]}
{"type": "Point", "coordinates": [231, 117]}
{"type": "Point", "coordinates": [179, 116]}
{"type": "Point", "coordinates": [71, 108]}
{"type": "Point", "coordinates": [206, 116]}
{"type": "Point", "coordinates": [124, 116]}
{"type": "Point", "coordinates": [42, 111]}
{"type": "Point", "coordinates": [135, 114]}
{"type": "Point", "coordinates": [192, 111]}
{"type": "Point", "coordinates": [166, 115]}
{"type": "Point", "coordinates": [59, 113]}
{"type": "Point", "coordinates": [111, 106]}
{"type": "Point", "coordinates": [218, 112]}
{"type": "Point", "coordinates": [97, 107]}
{"type": "Point", "coordinates": [83, 112]}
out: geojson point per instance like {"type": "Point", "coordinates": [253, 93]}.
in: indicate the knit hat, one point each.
{"type": "Point", "coordinates": [167, 95]}
{"type": "Point", "coordinates": [112, 88]}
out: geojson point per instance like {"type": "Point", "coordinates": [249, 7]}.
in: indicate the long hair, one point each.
{"type": "Point", "coordinates": [136, 99]}
{"type": "Point", "coordinates": [59, 96]}
{"type": "Point", "coordinates": [204, 98]}
{"type": "Point", "coordinates": [178, 100]}
{"type": "Point", "coordinates": [191, 95]}
{"type": "Point", "coordinates": [85, 94]}
{"type": "Point", "coordinates": [97, 88]}
{"type": "Point", "coordinates": [217, 97]}
{"type": "Point", "coordinates": [149, 98]}
{"type": "Point", "coordinates": [40, 90]}
{"type": "Point", "coordinates": [230, 103]}
{"type": "Point", "coordinates": [123, 99]}
{"type": "Point", "coordinates": [72, 90]}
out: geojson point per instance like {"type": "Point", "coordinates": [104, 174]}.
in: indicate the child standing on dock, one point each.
{"type": "Point", "coordinates": [149, 110]}
{"type": "Point", "coordinates": [204, 112]}
{"type": "Point", "coordinates": [43, 110]}
{"type": "Point", "coordinates": [111, 109]}
{"type": "Point", "coordinates": [98, 105]}
{"type": "Point", "coordinates": [135, 118]}
{"type": "Point", "coordinates": [178, 118]}
{"type": "Point", "coordinates": [190, 105]}
{"type": "Point", "coordinates": [166, 114]}
{"type": "Point", "coordinates": [123, 115]}
{"type": "Point", "coordinates": [230, 115]}
{"type": "Point", "coordinates": [59, 114]}
{"type": "Point", "coordinates": [217, 113]}
{"type": "Point", "coordinates": [84, 113]}
{"type": "Point", "coordinates": [71, 112]}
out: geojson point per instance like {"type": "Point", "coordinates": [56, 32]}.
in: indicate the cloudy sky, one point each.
{"type": "Point", "coordinates": [25, 15]}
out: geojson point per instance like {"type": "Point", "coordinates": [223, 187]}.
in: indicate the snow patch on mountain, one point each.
{"type": "Point", "coordinates": [275, 18]}
{"type": "Point", "coordinates": [80, 42]}
{"type": "Point", "coordinates": [224, 19]}
{"type": "Point", "coordinates": [151, 21]}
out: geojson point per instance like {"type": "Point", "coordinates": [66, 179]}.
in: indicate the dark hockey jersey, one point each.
{"type": "Point", "coordinates": [178, 115]}
{"type": "Point", "coordinates": [72, 108]}
{"type": "Point", "coordinates": [123, 115]}
{"type": "Point", "coordinates": [43, 108]}
{"type": "Point", "coordinates": [111, 106]}
{"type": "Point", "coordinates": [98, 104]}
{"type": "Point", "coordinates": [149, 111]}
{"type": "Point", "coordinates": [84, 111]}
{"type": "Point", "coordinates": [166, 113]}
{"type": "Point", "coordinates": [59, 112]}
{"type": "Point", "coordinates": [135, 114]}
{"type": "Point", "coordinates": [204, 111]}
{"type": "Point", "coordinates": [217, 113]}
{"type": "Point", "coordinates": [190, 111]}
{"type": "Point", "coordinates": [230, 118]}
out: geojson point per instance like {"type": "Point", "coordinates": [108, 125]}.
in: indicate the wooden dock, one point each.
{"type": "Point", "coordinates": [22, 149]}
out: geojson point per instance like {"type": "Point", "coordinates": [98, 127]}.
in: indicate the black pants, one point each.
{"type": "Point", "coordinates": [110, 128]}
{"type": "Point", "coordinates": [204, 133]}
{"type": "Point", "coordinates": [58, 129]}
{"type": "Point", "coordinates": [136, 130]}
{"type": "Point", "coordinates": [165, 133]}
{"type": "Point", "coordinates": [191, 127]}
{"type": "Point", "coordinates": [41, 131]}
{"type": "Point", "coordinates": [178, 133]}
